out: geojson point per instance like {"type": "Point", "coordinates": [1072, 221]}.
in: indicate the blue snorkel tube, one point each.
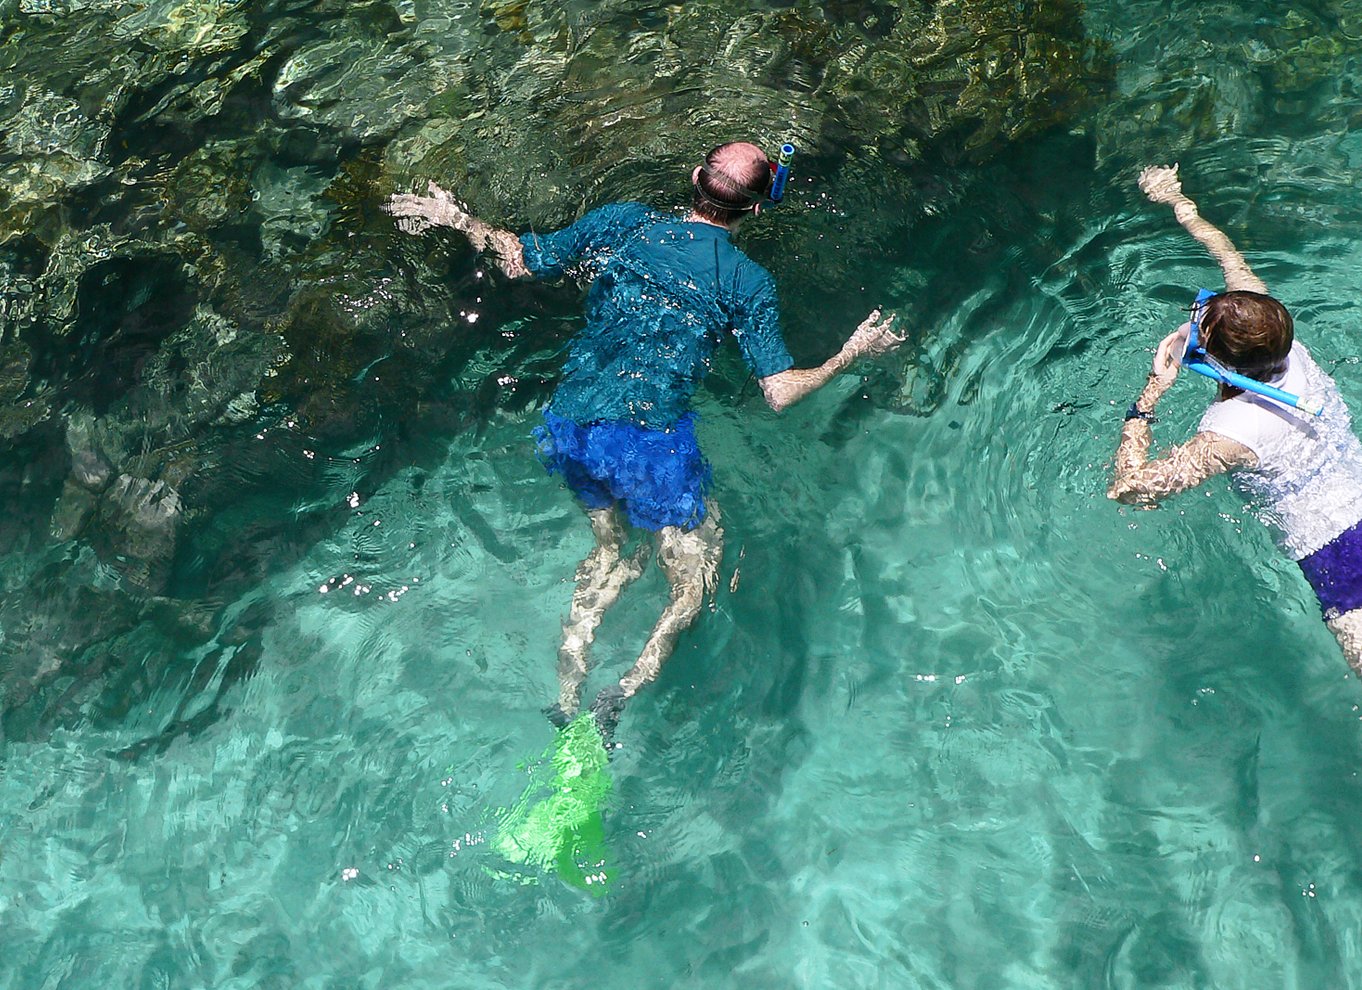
{"type": "Point", "coordinates": [1196, 359]}
{"type": "Point", "coordinates": [787, 152]}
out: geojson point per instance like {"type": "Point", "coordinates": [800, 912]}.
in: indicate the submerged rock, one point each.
{"type": "Point", "coordinates": [21, 408]}
{"type": "Point", "coordinates": [50, 149]}
{"type": "Point", "coordinates": [1222, 75]}
{"type": "Point", "coordinates": [140, 522]}
{"type": "Point", "coordinates": [596, 105]}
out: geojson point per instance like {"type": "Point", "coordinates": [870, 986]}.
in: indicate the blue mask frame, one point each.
{"type": "Point", "coordinates": [1196, 359]}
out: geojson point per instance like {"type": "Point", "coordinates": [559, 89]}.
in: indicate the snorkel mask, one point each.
{"type": "Point", "coordinates": [1196, 358]}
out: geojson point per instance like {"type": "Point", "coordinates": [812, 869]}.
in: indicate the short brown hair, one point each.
{"type": "Point", "coordinates": [1249, 331]}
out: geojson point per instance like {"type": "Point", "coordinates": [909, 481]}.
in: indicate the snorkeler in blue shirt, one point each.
{"type": "Point", "coordinates": [666, 289]}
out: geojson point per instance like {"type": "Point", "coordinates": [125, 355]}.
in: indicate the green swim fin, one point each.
{"type": "Point", "coordinates": [557, 823]}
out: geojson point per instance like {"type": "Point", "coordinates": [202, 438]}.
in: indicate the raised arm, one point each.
{"type": "Point", "coordinates": [1138, 480]}
{"type": "Point", "coordinates": [416, 214]}
{"type": "Point", "coordinates": [1162, 185]}
{"type": "Point", "coordinates": [873, 336]}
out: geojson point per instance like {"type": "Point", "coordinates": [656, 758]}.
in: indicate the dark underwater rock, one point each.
{"type": "Point", "coordinates": [20, 407]}
{"type": "Point", "coordinates": [139, 528]}
{"type": "Point", "coordinates": [1221, 75]}
{"type": "Point", "coordinates": [595, 106]}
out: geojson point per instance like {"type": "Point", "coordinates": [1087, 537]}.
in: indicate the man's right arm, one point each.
{"type": "Point", "coordinates": [419, 213]}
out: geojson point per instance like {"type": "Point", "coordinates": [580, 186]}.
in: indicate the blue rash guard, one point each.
{"type": "Point", "coordinates": [664, 293]}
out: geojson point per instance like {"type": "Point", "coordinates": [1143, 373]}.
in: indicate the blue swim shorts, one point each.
{"type": "Point", "coordinates": [1335, 572]}
{"type": "Point", "coordinates": [658, 477]}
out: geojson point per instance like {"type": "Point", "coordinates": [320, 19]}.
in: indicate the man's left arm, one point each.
{"type": "Point", "coordinates": [872, 337]}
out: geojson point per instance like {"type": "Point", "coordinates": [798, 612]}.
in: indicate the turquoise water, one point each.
{"type": "Point", "coordinates": [952, 720]}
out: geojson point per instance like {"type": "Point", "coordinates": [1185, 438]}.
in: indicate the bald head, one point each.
{"type": "Point", "coordinates": [734, 178]}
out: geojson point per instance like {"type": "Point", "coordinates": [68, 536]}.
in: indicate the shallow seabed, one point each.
{"type": "Point", "coordinates": [952, 720]}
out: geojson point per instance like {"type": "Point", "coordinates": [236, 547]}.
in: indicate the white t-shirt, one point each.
{"type": "Point", "coordinates": [1308, 482]}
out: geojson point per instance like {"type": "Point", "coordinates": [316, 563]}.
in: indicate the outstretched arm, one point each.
{"type": "Point", "coordinates": [872, 337]}
{"type": "Point", "coordinates": [416, 214]}
{"type": "Point", "coordinates": [1162, 185]}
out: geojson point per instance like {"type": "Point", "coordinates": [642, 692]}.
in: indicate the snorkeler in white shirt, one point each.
{"type": "Point", "coordinates": [1289, 445]}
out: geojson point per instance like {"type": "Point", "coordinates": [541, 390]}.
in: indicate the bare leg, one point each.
{"type": "Point", "coordinates": [691, 563]}
{"type": "Point", "coordinates": [600, 579]}
{"type": "Point", "coordinates": [1347, 629]}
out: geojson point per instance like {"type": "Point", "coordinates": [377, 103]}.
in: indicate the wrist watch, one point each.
{"type": "Point", "coordinates": [1135, 412]}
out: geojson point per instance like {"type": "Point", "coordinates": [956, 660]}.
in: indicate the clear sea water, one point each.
{"type": "Point", "coordinates": [954, 720]}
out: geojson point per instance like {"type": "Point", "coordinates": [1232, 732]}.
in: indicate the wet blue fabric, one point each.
{"type": "Point", "coordinates": [658, 477]}
{"type": "Point", "coordinates": [664, 294]}
{"type": "Point", "coordinates": [1335, 572]}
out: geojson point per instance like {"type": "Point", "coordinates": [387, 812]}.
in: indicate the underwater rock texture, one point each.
{"type": "Point", "coordinates": [1168, 101]}
{"type": "Point", "coordinates": [618, 99]}
{"type": "Point", "coordinates": [198, 292]}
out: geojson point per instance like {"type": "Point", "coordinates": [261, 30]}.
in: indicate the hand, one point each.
{"type": "Point", "coordinates": [872, 337]}
{"type": "Point", "coordinates": [1161, 184]}
{"type": "Point", "coordinates": [1168, 357]}
{"type": "Point", "coordinates": [416, 214]}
